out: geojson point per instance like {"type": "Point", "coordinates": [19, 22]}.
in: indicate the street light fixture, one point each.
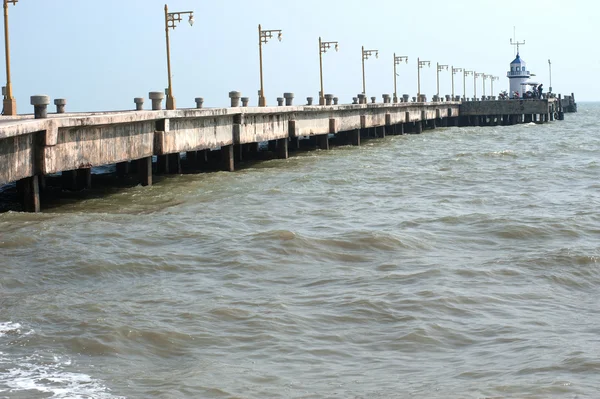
{"type": "Point", "coordinates": [440, 68]}
{"type": "Point", "coordinates": [454, 71]}
{"type": "Point", "coordinates": [475, 76]}
{"type": "Point", "coordinates": [365, 56]}
{"type": "Point", "coordinates": [420, 64]}
{"type": "Point", "coordinates": [492, 78]}
{"type": "Point", "coordinates": [263, 37]}
{"type": "Point", "coordinates": [323, 47]}
{"type": "Point", "coordinates": [397, 60]}
{"type": "Point", "coordinates": [9, 103]}
{"type": "Point", "coordinates": [465, 74]}
{"type": "Point", "coordinates": [171, 20]}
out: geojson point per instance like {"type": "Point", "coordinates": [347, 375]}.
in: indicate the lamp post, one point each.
{"type": "Point", "coordinates": [550, 68]}
{"type": "Point", "coordinates": [492, 78]}
{"type": "Point", "coordinates": [475, 76]}
{"type": "Point", "coordinates": [323, 47]}
{"type": "Point", "coordinates": [397, 60]}
{"type": "Point", "coordinates": [420, 64]}
{"type": "Point", "coordinates": [484, 77]}
{"type": "Point", "coordinates": [440, 68]}
{"type": "Point", "coordinates": [171, 20]}
{"type": "Point", "coordinates": [9, 102]}
{"type": "Point", "coordinates": [365, 56]}
{"type": "Point", "coordinates": [454, 71]}
{"type": "Point", "coordinates": [465, 74]}
{"type": "Point", "coordinates": [263, 37]}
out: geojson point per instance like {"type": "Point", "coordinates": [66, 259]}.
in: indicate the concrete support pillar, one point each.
{"type": "Point", "coordinates": [272, 145]}
{"type": "Point", "coordinates": [419, 127]}
{"type": "Point", "coordinates": [289, 99]}
{"type": "Point", "coordinates": [245, 101]}
{"type": "Point", "coordinates": [84, 178]}
{"type": "Point", "coordinates": [145, 171]}
{"type": "Point", "coordinates": [122, 169]}
{"type": "Point", "coordinates": [399, 128]}
{"type": "Point", "coordinates": [139, 103]}
{"type": "Point", "coordinates": [157, 98]}
{"type": "Point", "coordinates": [60, 105]}
{"type": "Point", "coordinates": [282, 148]}
{"type": "Point", "coordinates": [162, 164]}
{"type": "Point", "coordinates": [199, 102]}
{"type": "Point", "coordinates": [328, 99]}
{"type": "Point", "coordinates": [380, 132]}
{"type": "Point", "coordinates": [336, 100]}
{"type": "Point", "coordinates": [40, 106]}
{"type": "Point", "coordinates": [294, 144]}
{"type": "Point", "coordinates": [227, 157]}
{"type": "Point", "coordinates": [175, 163]}
{"type": "Point", "coordinates": [235, 98]}
{"type": "Point", "coordinates": [31, 194]}
{"type": "Point", "coordinates": [309, 101]}
{"type": "Point", "coordinates": [373, 100]}
{"type": "Point", "coordinates": [323, 141]}
{"type": "Point", "coordinates": [354, 136]}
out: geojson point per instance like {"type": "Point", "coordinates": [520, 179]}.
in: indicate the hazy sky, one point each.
{"type": "Point", "coordinates": [100, 54]}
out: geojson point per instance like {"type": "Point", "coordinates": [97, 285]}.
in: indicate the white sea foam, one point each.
{"type": "Point", "coordinates": [44, 374]}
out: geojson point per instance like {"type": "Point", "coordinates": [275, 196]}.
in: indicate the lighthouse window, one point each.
{"type": "Point", "coordinates": [523, 69]}
{"type": "Point", "coordinates": [512, 69]}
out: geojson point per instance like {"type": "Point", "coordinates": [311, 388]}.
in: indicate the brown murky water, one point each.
{"type": "Point", "coordinates": [460, 263]}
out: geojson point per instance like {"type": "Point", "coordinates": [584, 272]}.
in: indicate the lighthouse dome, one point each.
{"type": "Point", "coordinates": [518, 61]}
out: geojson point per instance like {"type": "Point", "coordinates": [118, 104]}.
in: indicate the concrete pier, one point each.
{"type": "Point", "coordinates": [217, 138]}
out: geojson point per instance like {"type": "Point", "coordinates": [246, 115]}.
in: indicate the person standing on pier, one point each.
{"type": "Point", "coordinates": [539, 90]}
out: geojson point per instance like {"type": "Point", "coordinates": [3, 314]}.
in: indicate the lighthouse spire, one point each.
{"type": "Point", "coordinates": [515, 42]}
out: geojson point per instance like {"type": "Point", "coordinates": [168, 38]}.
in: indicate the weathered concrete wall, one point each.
{"type": "Point", "coordinates": [16, 158]}
{"type": "Point", "coordinates": [191, 134]}
{"type": "Point", "coordinates": [505, 107]}
{"type": "Point", "coordinates": [84, 147]}
{"type": "Point", "coordinates": [263, 124]}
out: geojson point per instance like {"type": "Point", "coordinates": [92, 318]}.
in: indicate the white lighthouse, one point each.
{"type": "Point", "coordinates": [518, 74]}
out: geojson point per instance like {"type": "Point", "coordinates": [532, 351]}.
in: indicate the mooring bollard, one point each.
{"type": "Point", "coordinates": [354, 100]}
{"type": "Point", "coordinates": [405, 97]}
{"type": "Point", "coordinates": [448, 97]}
{"type": "Point", "coordinates": [245, 101]}
{"type": "Point", "coordinates": [362, 98]}
{"type": "Point", "coordinates": [40, 106]}
{"type": "Point", "coordinates": [435, 98]}
{"type": "Point", "coordinates": [199, 102]}
{"type": "Point", "coordinates": [309, 101]}
{"type": "Point", "coordinates": [336, 100]}
{"type": "Point", "coordinates": [457, 98]}
{"type": "Point", "coordinates": [373, 100]}
{"type": "Point", "coordinates": [414, 99]}
{"type": "Point", "coordinates": [289, 99]}
{"type": "Point", "coordinates": [280, 101]}
{"type": "Point", "coordinates": [235, 98]}
{"type": "Point", "coordinates": [328, 99]}
{"type": "Point", "coordinates": [60, 105]}
{"type": "Point", "coordinates": [157, 98]}
{"type": "Point", "coordinates": [139, 103]}
{"type": "Point", "coordinates": [386, 98]}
